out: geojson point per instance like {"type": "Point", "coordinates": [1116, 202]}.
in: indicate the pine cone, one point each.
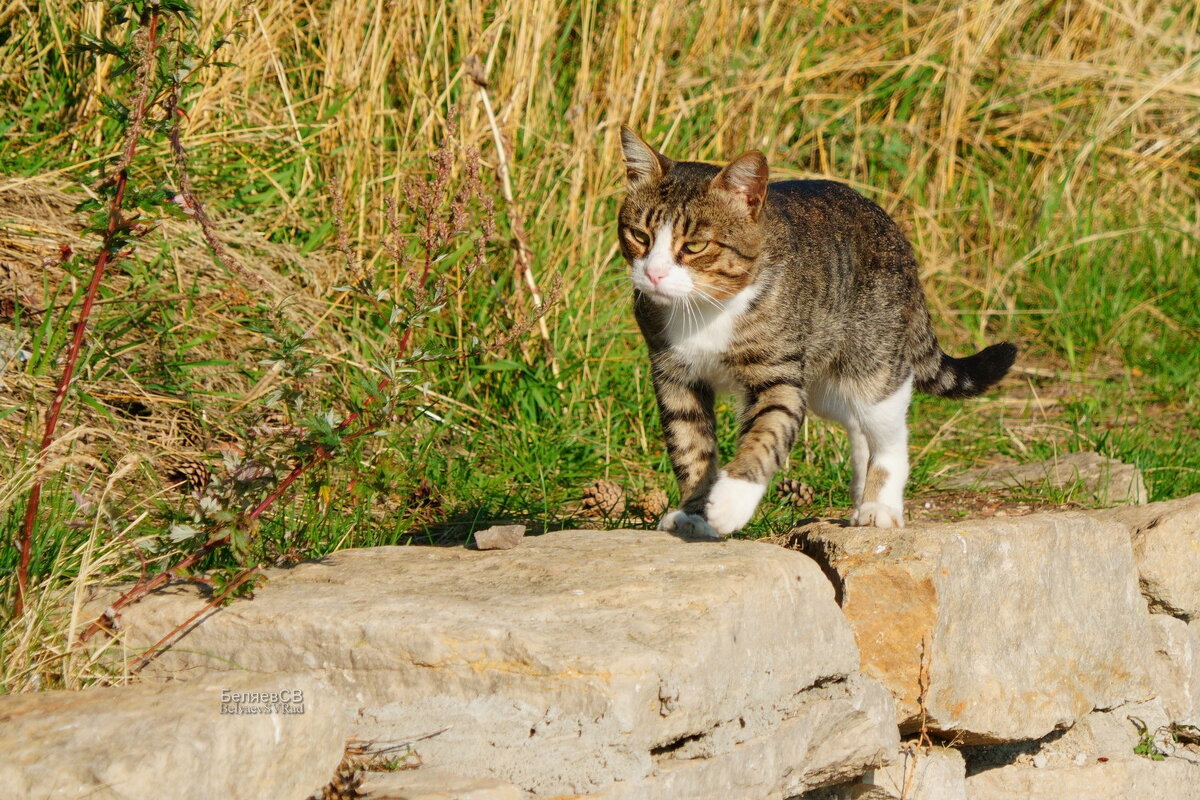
{"type": "Point", "coordinates": [192, 473]}
{"type": "Point", "coordinates": [345, 784]}
{"type": "Point", "coordinates": [604, 499]}
{"type": "Point", "coordinates": [796, 492]}
{"type": "Point", "coordinates": [650, 505]}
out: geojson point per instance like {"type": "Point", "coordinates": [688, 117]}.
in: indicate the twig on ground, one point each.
{"type": "Point", "coordinates": [136, 664]}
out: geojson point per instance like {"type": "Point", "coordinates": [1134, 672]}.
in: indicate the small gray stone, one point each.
{"type": "Point", "coordinates": [1099, 479]}
{"type": "Point", "coordinates": [499, 537]}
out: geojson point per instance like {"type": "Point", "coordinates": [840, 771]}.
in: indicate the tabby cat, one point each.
{"type": "Point", "coordinates": [798, 296]}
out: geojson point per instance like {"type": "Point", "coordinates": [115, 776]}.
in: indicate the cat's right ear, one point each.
{"type": "Point", "coordinates": [746, 178]}
{"type": "Point", "coordinates": [642, 162]}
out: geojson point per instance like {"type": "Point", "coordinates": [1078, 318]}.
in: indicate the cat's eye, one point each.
{"type": "Point", "coordinates": [692, 248]}
{"type": "Point", "coordinates": [641, 237]}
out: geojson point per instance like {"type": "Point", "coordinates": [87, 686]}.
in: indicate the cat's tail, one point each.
{"type": "Point", "coordinates": [947, 376]}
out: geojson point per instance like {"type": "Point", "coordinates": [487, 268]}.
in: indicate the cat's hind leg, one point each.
{"type": "Point", "coordinates": [885, 428]}
{"type": "Point", "coordinates": [830, 400]}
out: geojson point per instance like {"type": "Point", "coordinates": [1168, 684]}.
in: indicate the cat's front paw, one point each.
{"type": "Point", "coordinates": [731, 503]}
{"type": "Point", "coordinates": [688, 526]}
{"type": "Point", "coordinates": [877, 515]}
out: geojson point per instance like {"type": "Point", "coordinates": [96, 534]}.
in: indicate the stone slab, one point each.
{"type": "Point", "coordinates": [1177, 678]}
{"type": "Point", "coordinates": [821, 742]}
{"type": "Point", "coordinates": [435, 784]}
{"type": "Point", "coordinates": [1166, 546]}
{"type": "Point", "coordinates": [1016, 626]}
{"type": "Point", "coordinates": [198, 740]}
{"type": "Point", "coordinates": [1129, 778]}
{"type": "Point", "coordinates": [568, 665]}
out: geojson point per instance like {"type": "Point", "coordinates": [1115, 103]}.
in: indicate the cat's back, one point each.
{"type": "Point", "coordinates": [824, 199]}
{"type": "Point", "coordinates": [834, 212]}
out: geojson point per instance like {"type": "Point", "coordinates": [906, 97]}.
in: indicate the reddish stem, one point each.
{"type": "Point", "coordinates": [140, 661]}
{"type": "Point", "coordinates": [25, 540]}
{"type": "Point", "coordinates": [321, 455]}
{"type": "Point", "coordinates": [145, 586]}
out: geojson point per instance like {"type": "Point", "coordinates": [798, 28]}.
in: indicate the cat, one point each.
{"type": "Point", "coordinates": [798, 296]}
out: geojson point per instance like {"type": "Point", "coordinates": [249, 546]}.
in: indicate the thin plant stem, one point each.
{"type": "Point", "coordinates": [115, 219]}
{"type": "Point", "coordinates": [136, 664]}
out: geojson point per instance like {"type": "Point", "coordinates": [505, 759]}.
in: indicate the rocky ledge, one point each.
{"type": "Point", "coordinates": [1039, 654]}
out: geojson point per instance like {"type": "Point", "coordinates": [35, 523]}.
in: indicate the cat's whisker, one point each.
{"type": "Point", "coordinates": [671, 317]}
{"type": "Point", "coordinates": [714, 302]}
{"type": "Point", "coordinates": [687, 315]}
{"type": "Point", "coordinates": [695, 314]}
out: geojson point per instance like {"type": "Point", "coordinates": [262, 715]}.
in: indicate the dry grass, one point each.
{"type": "Point", "coordinates": [1096, 101]}
{"type": "Point", "coordinates": [36, 221]}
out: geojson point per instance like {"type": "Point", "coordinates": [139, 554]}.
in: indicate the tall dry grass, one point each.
{"type": "Point", "coordinates": [987, 109]}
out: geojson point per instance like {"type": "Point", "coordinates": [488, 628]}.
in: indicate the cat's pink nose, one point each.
{"type": "Point", "coordinates": [656, 276]}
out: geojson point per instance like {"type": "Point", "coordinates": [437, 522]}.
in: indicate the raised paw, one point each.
{"type": "Point", "coordinates": [731, 503]}
{"type": "Point", "coordinates": [877, 515]}
{"type": "Point", "coordinates": [688, 526]}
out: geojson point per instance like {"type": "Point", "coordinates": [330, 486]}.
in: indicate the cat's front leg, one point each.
{"type": "Point", "coordinates": [771, 420]}
{"type": "Point", "coordinates": [690, 430]}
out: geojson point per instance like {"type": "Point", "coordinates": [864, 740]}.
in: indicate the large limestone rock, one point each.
{"type": "Point", "coordinates": [607, 664]}
{"type": "Point", "coordinates": [435, 784]}
{"type": "Point", "coordinates": [201, 740]}
{"type": "Point", "coordinates": [1129, 778]}
{"type": "Point", "coordinates": [924, 773]}
{"type": "Point", "coordinates": [1014, 626]}
{"type": "Point", "coordinates": [1177, 658]}
{"type": "Point", "coordinates": [1097, 479]}
{"type": "Point", "coordinates": [1166, 546]}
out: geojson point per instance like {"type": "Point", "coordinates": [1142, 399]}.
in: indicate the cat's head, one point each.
{"type": "Point", "coordinates": [688, 228]}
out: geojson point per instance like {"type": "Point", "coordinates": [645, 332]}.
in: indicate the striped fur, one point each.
{"type": "Point", "coordinates": [798, 296]}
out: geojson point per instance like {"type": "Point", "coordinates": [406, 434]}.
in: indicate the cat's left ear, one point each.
{"type": "Point", "coordinates": [746, 178]}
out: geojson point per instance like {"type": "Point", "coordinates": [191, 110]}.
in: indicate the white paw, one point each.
{"type": "Point", "coordinates": [877, 515]}
{"type": "Point", "coordinates": [687, 525]}
{"type": "Point", "coordinates": [731, 503]}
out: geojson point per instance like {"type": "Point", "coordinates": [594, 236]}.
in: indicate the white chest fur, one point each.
{"type": "Point", "coordinates": [701, 332]}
